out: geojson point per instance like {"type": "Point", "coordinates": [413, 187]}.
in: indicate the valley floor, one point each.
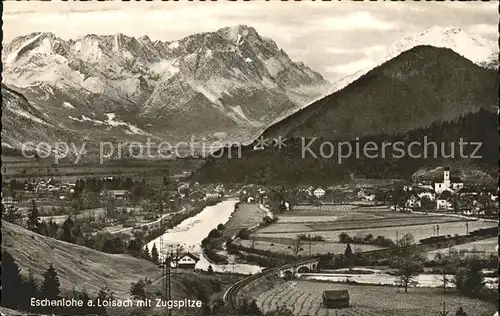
{"type": "Point", "coordinates": [305, 298]}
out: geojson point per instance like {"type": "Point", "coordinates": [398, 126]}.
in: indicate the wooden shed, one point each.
{"type": "Point", "coordinates": [336, 299]}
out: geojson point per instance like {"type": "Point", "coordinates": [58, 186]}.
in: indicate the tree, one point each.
{"type": "Point", "coordinates": [154, 254]}
{"type": "Point", "coordinates": [405, 242]}
{"type": "Point", "coordinates": [43, 229]}
{"type": "Point", "coordinates": [52, 228]}
{"type": "Point", "coordinates": [11, 214]}
{"type": "Point", "coordinates": [460, 312]}
{"type": "Point", "coordinates": [470, 280]}
{"type": "Point", "coordinates": [134, 247]}
{"type": "Point", "coordinates": [210, 270]}
{"type": "Point", "coordinates": [50, 286]}
{"type": "Point", "coordinates": [33, 221]}
{"type": "Point", "coordinates": [139, 290]}
{"type": "Point", "coordinates": [76, 232]}
{"type": "Point", "coordinates": [427, 203]}
{"type": "Point", "coordinates": [408, 269]}
{"type": "Point", "coordinates": [243, 233]}
{"type": "Point", "coordinates": [368, 239]}
{"type": "Point", "coordinates": [67, 231]}
{"type": "Point", "coordinates": [407, 247]}
{"type": "Point", "coordinates": [30, 286]}
{"type": "Point", "coordinates": [12, 283]}
{"type": "Point", "coordinates": [253, 309]}
{"type": "Point", "coordinates": [105, 294]}
{"type": "Point", "coordinates": [344, 238]}
{"type": "Point", "coordinates": [445, 280]}
{"type": "Point", "coordinates": [110, 207]}
{"type": "Point", "coordinates": [348, 251]}
{"type": "Point", "coordinates": [249, 309]}
{"type": "Point", "coordinates": [179, 250]}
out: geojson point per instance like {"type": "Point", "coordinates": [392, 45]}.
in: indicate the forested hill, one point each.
{"type": "Point", "coordinates": [412, 90]}
{"type": "Point", "coordinates": [292, 166]}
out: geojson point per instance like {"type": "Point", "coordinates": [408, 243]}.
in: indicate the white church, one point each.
{"type": "Point", "coordinates": [449, 183]}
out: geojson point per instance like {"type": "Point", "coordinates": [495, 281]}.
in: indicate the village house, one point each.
{"type": "Point", "coordinates": [319, 193]}
{"type": "Point", "coordinates": [366, 195]}
{"type": "Point", "coordinates": [8, 201]}
{"type": "Point", "coordinates": [336, 299]}
{"type": "Point", "coordinates": [443, 201]}
{"type": "Point", "coordinates": [413, 202]}
{"type": "Point", "coordinates": [212, 195]}
{"type": "Point", "coordinates": [467, 191]}
{"type": "Point", "coordinates": [118, 194]}
{"type": "Point", "coordinates": [187, 261]}
{"type": "Point", "coordinates": [285, 206]}
{"type": "Point", "coordinates": [425, 193]}
{"type": "Point", "coordinates": [449, 183]}
{"type": "Point", "coordinates": [197, 195]}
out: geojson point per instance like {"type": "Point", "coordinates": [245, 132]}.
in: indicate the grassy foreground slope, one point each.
{"type": "Point", "coordinates": [77, 266]}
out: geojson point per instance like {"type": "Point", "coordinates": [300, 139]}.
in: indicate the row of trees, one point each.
{"type": "Point", "coordinates": [368, 239]}
{"type": "Point", "coordinates": [18, 291]}
{"type": "Point", "coordinates": [81, 231]}
{"type": "Point", "coordinates": [272, 165]}
{"type": "Point", "coordinates": [408, 262]}
{"type": "Point", "coordinates": [115, 183]}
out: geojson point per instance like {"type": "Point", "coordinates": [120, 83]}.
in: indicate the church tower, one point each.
{"type": "Point", "coordinates": [446, 177]}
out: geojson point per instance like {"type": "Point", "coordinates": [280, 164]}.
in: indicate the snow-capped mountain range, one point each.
{"type": "Point", "coordinates": [478, 49]}
{"type": "Point", "coordinates": [220, 84]}
{"type": "Point", "coordinates": [224, 85]}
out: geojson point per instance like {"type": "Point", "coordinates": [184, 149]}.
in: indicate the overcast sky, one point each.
{"type": "Point", "coordinates": [334, 38]}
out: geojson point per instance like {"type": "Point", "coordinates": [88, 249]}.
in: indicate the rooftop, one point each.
{"type": "Point", "coordinates": [336, 294]}
{"type": "Point", "coordinates": [446, 195]}
{"type": "Point", "coordinates": [192, 256]}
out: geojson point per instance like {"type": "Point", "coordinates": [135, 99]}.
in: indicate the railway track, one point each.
{"type": "Point", "coordinates": [231, 295]}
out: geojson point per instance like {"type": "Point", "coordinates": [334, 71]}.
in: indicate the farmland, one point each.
{"type": "Point", "coordinates": [483, 247]}
{"type": "Point", "coordinates": [418, 231]}
{"type": "Point", "coordinates": [245, 216]}
{"type": "Point", "coordinates": [67, 170]}
{"type": "Point", "coordinates": [322, 225]}
{"type": "Point", "coordinates": [305, 298]}
{"type": "Point", "coordinates": [329, 221]}
{"type": "Point", "coordinates": [317, 247]}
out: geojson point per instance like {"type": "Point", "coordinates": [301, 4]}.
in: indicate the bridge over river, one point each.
{"type": "Point", "coordinates": [300, 266]}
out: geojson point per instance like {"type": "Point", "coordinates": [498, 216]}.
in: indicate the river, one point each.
{"type": "Point", "coordinates": [381, 278]}
{"type": "Point", "coordinates": [190, 232]}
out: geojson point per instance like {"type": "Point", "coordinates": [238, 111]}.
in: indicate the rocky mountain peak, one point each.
{"type": "Point", "coordinates": [231, 80]}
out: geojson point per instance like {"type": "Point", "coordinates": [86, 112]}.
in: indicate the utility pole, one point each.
{"type": "Point", "coordinates": [167, 273]}
{"type": "Point", "coordinates": [162, 245]}
{"type": "Point", "coordinates": [444, 312]}
{"type": "Point", "coordinates": [310, 252]}
{"type": "Point", "coordinates": [437, 230]}
{"type": "Point", "coordinates": [466, 227]}
{"type": "Point", "coordinates": [297, 246]}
